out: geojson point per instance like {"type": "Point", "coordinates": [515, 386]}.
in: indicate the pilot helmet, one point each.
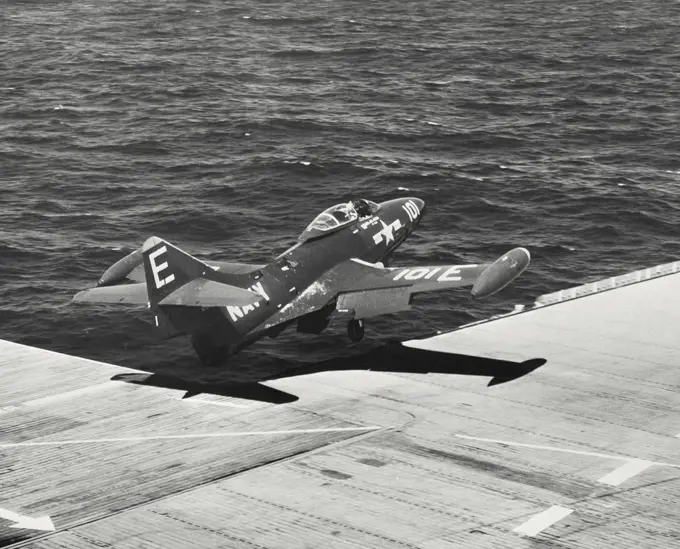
{"type": "Point", "coordinates": [362, 207]}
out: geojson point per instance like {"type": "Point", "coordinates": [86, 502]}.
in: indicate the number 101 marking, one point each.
{"type": "Point", "coordinates": [411, 210]}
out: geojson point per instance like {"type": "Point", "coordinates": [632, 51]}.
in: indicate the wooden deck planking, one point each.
{"type": "Point", "coordinates": [106, 472]}
{"type": "Point", "coordinates": [586, 396]}
{"type": "Point", "coordinates": [287, 521]}
{"type": "Point", "coordinates": [531, 425]}
{"type": "Point", "coordinates": [506, 472]}
{"type": "Point", "coordinates": [334, 393]}
{"type": "Point", "coordinates": [412, 489]}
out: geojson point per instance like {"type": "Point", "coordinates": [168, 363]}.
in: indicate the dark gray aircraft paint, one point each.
{"type": "Point", "coordinates": [338, 267]}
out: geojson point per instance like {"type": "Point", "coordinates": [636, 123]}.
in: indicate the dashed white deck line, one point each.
{"type": "Point", "coordinates": [625, 472]}
{"type": "Point", "coordinates": [196, 436]}
{"type": "Point", "coordinates": [563, 450]}
{"type": "Point", "coordinates": [536, 524]}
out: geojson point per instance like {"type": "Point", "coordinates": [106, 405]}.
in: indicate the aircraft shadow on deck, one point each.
{"type": "Point", "coordinates": [391, 357]}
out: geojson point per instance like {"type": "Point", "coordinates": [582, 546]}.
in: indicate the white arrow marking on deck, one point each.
{"type": "Point", "coordinates": [175, 437]}
{"type": "Point", "coordinates": [28, 523]}
{"type": "Point", "coordinates": [626, 471]}
{"type": "Point", "coordinates": [536, 524]}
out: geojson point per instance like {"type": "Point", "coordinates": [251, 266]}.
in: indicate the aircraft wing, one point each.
{"type": "Point", "coordinates": [370, 289]}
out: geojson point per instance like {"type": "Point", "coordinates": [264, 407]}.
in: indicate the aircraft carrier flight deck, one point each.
{"type": "Point", "coordinates": [583, 451]}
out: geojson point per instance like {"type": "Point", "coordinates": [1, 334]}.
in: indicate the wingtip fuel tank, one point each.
{"type": "Point", "coordinates": [501, 272]}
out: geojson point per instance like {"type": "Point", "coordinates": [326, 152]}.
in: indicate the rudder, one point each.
{"type": "Point", "coordinates": [167, 268]}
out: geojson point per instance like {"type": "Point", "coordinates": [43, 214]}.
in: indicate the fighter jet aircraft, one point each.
{"type": "Point", "coordinates": [337, 268]}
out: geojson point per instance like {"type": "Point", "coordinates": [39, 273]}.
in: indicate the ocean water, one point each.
{"type": "Point", "coordinates": [225, 127]}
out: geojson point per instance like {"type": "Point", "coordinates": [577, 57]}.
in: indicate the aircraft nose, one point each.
{"type": "Point", "coordinates": [420, 204]}
{"type": "Point", "coordinates": [415, 209]}
{"type": "Point", "coordinates": [412, 206]}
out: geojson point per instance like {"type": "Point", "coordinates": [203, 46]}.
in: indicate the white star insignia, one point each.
{"type": "Point", "coordinates": [387, 231]}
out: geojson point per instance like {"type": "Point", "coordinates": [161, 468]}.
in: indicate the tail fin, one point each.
{"type": "Point", "coordinates": [168, 268]}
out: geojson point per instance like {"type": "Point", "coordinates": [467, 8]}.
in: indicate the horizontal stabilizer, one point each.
{"type": "Point", "coordinates": [127, 294]}
{"type": "Point", "coordinates": [207, 293]}
{"type": "Point", "coordinates": [197, 293]}
{"type": "Point", "coordinates": [225, 267]}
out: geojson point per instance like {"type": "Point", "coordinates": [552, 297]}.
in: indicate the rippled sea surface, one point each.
{"type": "Point", "coordinates": [225, 127]}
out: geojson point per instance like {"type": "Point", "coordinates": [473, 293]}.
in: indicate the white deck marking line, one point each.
{"type": "Point", "coordinates": [563, 450]}
{"type": "Point", "coordinates": [536, 524]}
{"type": "Point", "coordinates": [175, 437]}
{"type": "Point", "coordinates": [626, 471]}
{"type": "Point", "coordinates": [70, 394]}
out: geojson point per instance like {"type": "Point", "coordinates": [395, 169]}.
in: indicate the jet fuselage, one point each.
{"type": "Point", "coordinates": [292, 276]}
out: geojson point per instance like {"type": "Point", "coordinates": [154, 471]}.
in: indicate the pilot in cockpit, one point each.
{"type": "Point", "coordinates": [362, 207]}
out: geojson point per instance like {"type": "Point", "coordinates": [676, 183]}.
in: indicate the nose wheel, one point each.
{"type": "Point", "coordinates": [355, 329]}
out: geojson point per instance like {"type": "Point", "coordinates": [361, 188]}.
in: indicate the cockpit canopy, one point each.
{"type": "Point", "coordinates": [335, 217]}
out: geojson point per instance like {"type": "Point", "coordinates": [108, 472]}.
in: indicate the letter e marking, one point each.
{"type": "Point", "coordinates": [449, 275]}
{"type": "Point", "coordinates": [156, 268]}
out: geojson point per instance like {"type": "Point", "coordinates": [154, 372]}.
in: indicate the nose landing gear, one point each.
{"type": "Point", "coordinates": [355, 329]}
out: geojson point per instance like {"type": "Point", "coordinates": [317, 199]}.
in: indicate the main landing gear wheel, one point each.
{"type": "Point", "coordinates": [209, 355]}
{"type": "Point", "coordinates": [355, 329]}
